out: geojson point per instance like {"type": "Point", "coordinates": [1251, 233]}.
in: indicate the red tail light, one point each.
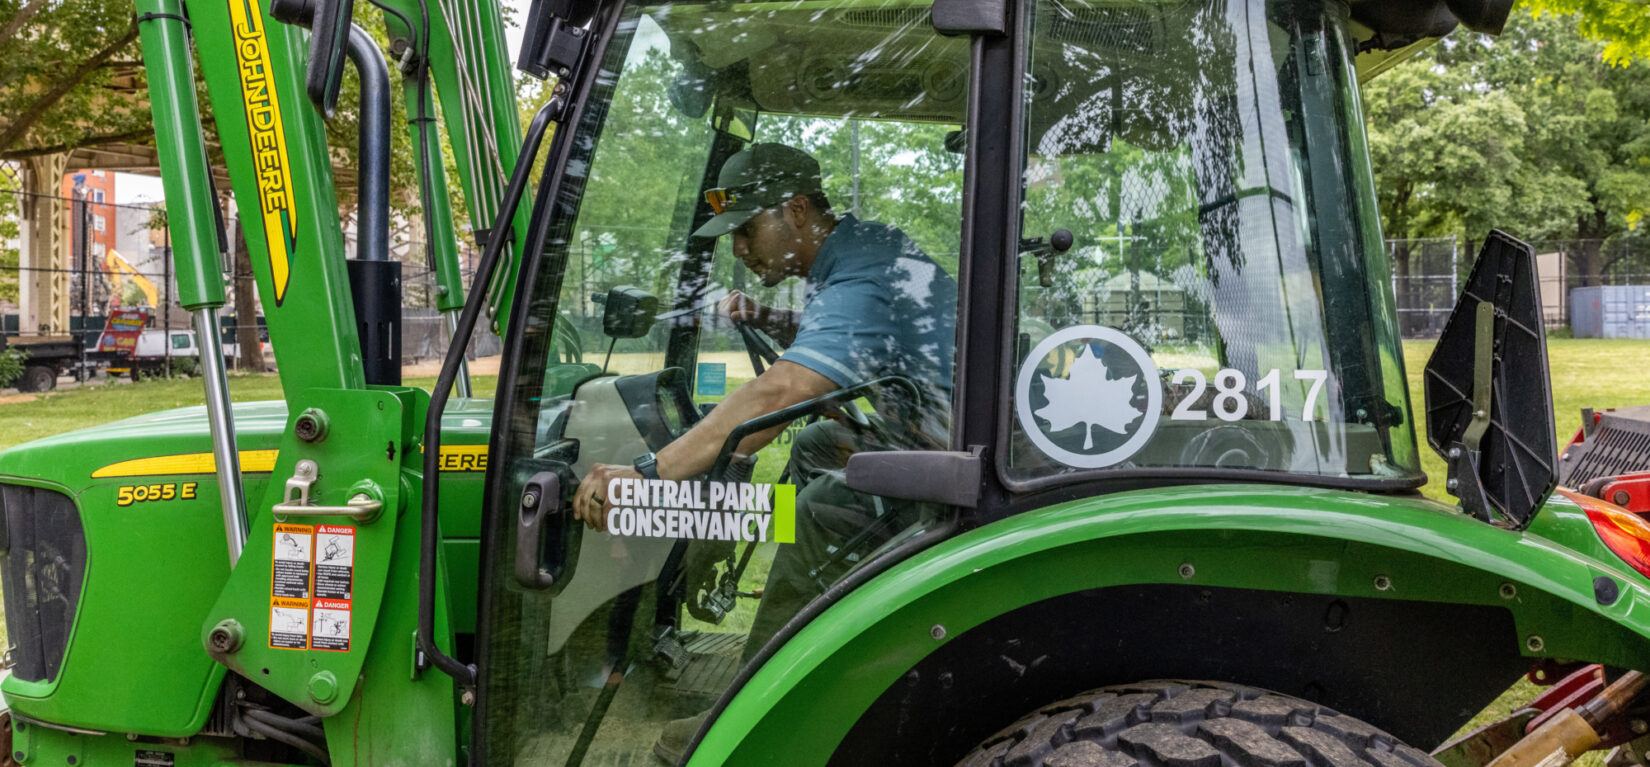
{"type": "Point", "coordinates": [1626, 533]}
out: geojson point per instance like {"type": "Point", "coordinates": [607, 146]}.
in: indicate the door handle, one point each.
{"type": "Point", "coordinates": [539, 513]}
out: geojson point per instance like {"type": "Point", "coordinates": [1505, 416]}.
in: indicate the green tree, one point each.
{"type": "Point", "coordinates": [1447, 155]}
{"type": "Point", "coordinates": [10, 258]}
{"type": "Point", "coordinates": [1587, 139]}
{"type": "Point", "coordinates": [1534, 132]}
{"type": "Point", "coordinates": [1623, 25]}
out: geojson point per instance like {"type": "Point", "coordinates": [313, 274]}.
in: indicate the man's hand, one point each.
{"type": "Point", "coordinates": [738, 307]}
{"type": "Point", "coordinates": [779, 324]}
{"type": "Point", "coordinates": [590, 501]}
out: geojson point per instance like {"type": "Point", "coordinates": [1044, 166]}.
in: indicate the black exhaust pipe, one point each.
{"type": "Point", "coordinates": [374, 280]}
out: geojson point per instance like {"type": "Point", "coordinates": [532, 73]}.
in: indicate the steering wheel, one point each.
{"type": "Point", "coordinates": [840, 398]}
{"type": "Point", "coordinates": [1237, 446]}
{"type": "Point", "coordinates": [763, 354]}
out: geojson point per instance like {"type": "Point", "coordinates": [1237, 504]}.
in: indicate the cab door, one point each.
{"type": "Point", "coordinates": [610, 640]}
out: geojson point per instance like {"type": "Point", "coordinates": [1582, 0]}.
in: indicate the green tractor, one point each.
{"type": "Point", "coordinates": [885, 382]}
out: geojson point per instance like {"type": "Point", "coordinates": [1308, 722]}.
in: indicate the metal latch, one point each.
{"type": "Point", "coordinates": [361, 507]}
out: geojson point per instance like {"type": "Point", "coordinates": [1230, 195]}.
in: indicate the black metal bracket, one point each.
{"type": "Point", "coordinates": [484, 236]}
{"type": "Point", "coordinates": [960, 17]}
{"type": "Point", "coordinates": [553, 46]}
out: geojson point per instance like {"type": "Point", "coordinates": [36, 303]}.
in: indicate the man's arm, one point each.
{"type": "Point", "coordinates": [783, 385]}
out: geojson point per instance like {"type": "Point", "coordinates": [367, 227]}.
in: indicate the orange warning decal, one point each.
{"type": "Point", "coordinates": [289, 624]}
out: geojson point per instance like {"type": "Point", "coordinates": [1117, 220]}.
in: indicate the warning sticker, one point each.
{"type": "Point", "coordinates": [291, 577]}
{"type": "Point", "coordinates": [289, 623]}
{"type": "Point", "coordinates": [331, 625]}
{"type": "Point", "coordinates": [334, 561]}
{"type": "Point", "coordinates": [147, 758]}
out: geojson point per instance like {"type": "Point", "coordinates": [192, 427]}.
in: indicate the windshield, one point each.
{"type": "Point", "coordinates": [1201, 279]}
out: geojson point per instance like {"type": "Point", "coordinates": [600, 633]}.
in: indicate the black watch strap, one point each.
{"type": "Point", "coordinates": [647, 466]}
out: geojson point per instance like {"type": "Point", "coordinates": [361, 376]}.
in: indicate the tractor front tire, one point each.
{"type": "Point", "coordinates": [1171, 723]}
{"type": "Point", "coordinates": [37, 378]}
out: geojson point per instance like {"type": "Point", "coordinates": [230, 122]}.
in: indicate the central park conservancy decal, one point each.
{"type": "Point", "coordinates": [752, 512]}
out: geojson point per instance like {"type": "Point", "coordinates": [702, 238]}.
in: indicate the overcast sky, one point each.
{"type": "Point", "coordinates": [133, 188]}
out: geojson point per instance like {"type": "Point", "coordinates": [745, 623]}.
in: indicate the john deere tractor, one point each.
{"type": "Point", "coordinates": [1168, 514]}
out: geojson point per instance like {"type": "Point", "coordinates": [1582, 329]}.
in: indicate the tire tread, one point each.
{"type": "Point", "coordinates": [1174, 723]}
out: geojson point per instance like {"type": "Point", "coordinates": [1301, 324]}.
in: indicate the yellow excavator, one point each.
{"type": "Point", "coordinates": [118, 267]}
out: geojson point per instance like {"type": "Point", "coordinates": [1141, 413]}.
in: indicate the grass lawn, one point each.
{"type": "Point", "coordinates": [29, 417]}
{"type": "Point", "coordinates": [1585, 373]}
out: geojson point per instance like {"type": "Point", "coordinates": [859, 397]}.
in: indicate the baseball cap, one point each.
{"type": "Point", "coordinates": [760, 176]}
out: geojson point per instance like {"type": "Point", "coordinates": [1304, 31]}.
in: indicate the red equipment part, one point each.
{"type": "Point", "coordinates": [1572, 692]}
{"type": "Point", "coordinates": [1629, 491]}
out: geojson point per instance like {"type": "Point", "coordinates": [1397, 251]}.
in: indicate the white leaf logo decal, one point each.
{"type": "Point", "coordinates": [1089, 396]}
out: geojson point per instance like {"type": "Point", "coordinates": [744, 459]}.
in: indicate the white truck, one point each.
{"type": "Point", "coordinates": [157, 348]}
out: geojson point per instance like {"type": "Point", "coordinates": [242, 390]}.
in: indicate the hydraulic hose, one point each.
{"type": "Point", "coordinates": [281, 736]}
{"type": "Point", "coordinates": [297, 727]}
{"type": "Point", "coordinates": [430, 533]}
{"type": "Point", "coordinates": [373, 173]}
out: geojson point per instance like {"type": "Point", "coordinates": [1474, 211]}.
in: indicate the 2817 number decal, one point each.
{"type": "Point", "coordinates": [1229, 404]}
{"type": "Point", "coordinates": [130, 494]}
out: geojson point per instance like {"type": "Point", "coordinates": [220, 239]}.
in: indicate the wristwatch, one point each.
{"type": "Point", "coordinates": [647, 466]}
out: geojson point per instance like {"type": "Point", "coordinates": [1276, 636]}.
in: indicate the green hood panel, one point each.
{"type": "Point", "coordinates": [1266, 538]}
{"type": "Point", "coordinates": [157, 561]}
{"type": "Point", "coordinates": [72, 458]}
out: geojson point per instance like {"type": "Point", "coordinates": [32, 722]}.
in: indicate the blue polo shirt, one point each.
{"type": "Point", "coordinates": [875, 305]}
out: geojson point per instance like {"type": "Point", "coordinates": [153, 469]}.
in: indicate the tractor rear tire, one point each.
{"type": "Point", "coordinates": [1172, 723]}
{"type": "Point", "coordinates": [37, 378]}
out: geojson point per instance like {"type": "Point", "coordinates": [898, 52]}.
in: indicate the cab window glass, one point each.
{"type": "Point", "coordinates": [1200, 275]}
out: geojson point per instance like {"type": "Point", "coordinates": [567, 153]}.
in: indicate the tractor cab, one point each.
{"type": "Point", "coordinates": [1179, 280]}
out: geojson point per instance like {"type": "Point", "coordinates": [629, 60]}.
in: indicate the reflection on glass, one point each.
{"type": "Point", "coordinates": [795, 166]}
{"type": "Point", "coordinates": [1223, 301]}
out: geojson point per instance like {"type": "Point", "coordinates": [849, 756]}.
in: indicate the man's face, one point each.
{"type": "Point", "coordinates": [767, 245]}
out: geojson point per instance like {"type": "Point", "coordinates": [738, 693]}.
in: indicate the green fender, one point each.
{"type": "Point", "coordinates": [804, 700]}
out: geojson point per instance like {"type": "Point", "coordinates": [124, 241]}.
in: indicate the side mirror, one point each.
{"type": "Point", "coordinates": [628, 312]}
{"type": "Point", "coordinates": [1489, 400]}
{"type": "Point", "coordinates": [328, 22]}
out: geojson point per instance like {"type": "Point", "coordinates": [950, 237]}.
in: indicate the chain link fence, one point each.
{"type": "Point", "coordinates": [1593, 288]}
{"type": "Point", "coordinates": [120, 257]}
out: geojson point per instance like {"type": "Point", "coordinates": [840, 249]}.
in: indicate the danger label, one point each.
{"type": "Point", "coordinates": [334, 562]}
{"type": "Point", "coordinates": [331, 625]}
{"type": "Point", "coordinates": [290, 578]}
{"type": "Point", "coordinates": [289, 624]}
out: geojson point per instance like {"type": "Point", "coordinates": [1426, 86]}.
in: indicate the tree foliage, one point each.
{"type": "Point", "coordinates": [1533, 132]}
{"type": "Point", "coordinates": [1623, 25]}
{"type": "Point", "coordinates": [60, 59]}
{"type": "Point", "coordinates": [11, 364]}
{"type": "Point", "coordinates": [645, 179]}
{"type": "Point", "coordinates": [10, 257]}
